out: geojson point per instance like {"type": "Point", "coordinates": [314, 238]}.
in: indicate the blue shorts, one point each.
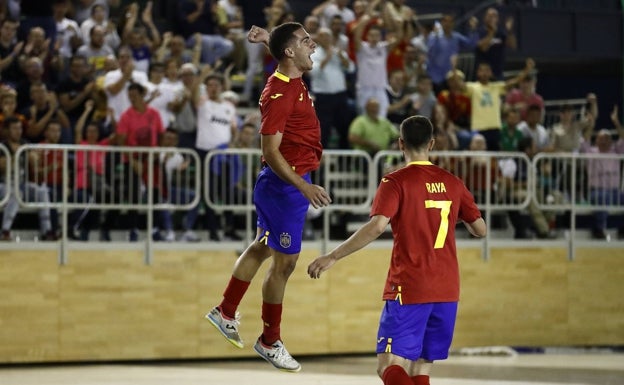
{"type": "Point", "coordinates": [414, 331]}
{"type": "Point", "coordinates": [281, 212]}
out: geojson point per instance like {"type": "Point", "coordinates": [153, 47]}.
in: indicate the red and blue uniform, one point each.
{"type": "Point", "coordinates": [286, 108]}
{"type": "Point", "coordinates": [424, 203]}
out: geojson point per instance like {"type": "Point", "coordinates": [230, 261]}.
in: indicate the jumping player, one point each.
{"type": "Point", "coordinates": [291, 149]}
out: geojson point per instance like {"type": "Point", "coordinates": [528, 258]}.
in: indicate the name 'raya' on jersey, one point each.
{"type": "Point", "coordinates": [287, 108]}
{"type": "Point", "coordinates": [424, 265]}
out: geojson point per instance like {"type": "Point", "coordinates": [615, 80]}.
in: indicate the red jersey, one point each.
{"type": "Point", "coordinates": [287, 108]}
{"type": "Point", "coordinates": [52, 163]}
{"type": "Point", "coordinates": [142, 128]}
{"type": "Point", "coordinates": [423, 203]}
{"type": "Point", "coordinates": [458, 107]}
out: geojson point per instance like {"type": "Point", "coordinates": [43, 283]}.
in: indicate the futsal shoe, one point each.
{"type": "Point", "coordinates": [277, 355]}
{"type": "Point", "coordinates": [226, 326]}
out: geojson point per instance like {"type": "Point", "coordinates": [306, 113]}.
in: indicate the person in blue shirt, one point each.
{"type": "Point", "coordinates": [443, 43]}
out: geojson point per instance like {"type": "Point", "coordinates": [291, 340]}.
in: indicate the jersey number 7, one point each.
{"type": "Point", "coordinates": [445, 209]}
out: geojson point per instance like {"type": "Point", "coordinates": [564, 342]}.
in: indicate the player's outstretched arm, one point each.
{"type": "Point", "coordinates": [258, 35]}
{"type": "Point", "coordinates": [365, 235]}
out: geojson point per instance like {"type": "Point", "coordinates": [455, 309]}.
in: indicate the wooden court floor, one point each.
{"type": "Point", "coordinates": [523, 369]}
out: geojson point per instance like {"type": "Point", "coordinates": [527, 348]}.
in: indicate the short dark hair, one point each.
{"type": "Point", "coordinates": [534, 107]}
{"type": "Point", "coordinates": [137, 87]}
{"type": "Point", "coordinates": [416, 132]}
{"type": "Point", "coordinates": [281, 37]}
{"type": "Point", "coordinates": [156, 65]}
{"type": "Point", "coordinates": [215, 76]}
{"type": "Point", "coordinates": [78, 57]}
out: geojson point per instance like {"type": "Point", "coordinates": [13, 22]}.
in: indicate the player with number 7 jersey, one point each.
{"type": "Point", "coordinates": [422, 202]}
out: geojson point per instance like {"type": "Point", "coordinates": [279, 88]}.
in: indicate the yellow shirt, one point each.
{"type": "Point", "coordinates": [486, 104]}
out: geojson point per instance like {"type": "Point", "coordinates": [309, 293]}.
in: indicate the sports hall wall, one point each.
{"type": "Point", "coordinates": [106, 304]}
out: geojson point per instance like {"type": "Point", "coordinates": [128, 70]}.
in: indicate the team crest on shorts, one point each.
{"type": "Point", "coordinates": [285, 240]}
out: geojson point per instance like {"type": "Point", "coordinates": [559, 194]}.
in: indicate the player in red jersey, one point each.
{"type": "Point", "coordinates": [291, 148]}
{"type": "Point", "coordinates": [422, 202]}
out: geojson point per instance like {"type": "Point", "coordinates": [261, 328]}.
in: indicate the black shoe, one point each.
{"type": "Point", "coordinates": [599, 234]}
{"type": "Point", "coordinates": [214, 236]}
{"type": "Point", "coordinates": [547, 235]}
{"type": "Point", "coordinates": [50, 236]}
{"type": "Point", "coordinates": [522, 235]}
{"type": "Point", "coordinates": [231, 234]}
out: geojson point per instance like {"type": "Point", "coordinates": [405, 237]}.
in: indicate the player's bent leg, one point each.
{"type": "Point", "coordinates": [277, 276]}
{"type": "Point", "coordinates": [224, 317]}
{"type": "Point", "coordinates": [251, 259]}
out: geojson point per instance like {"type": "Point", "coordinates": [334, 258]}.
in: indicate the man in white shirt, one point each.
{"type": "Point", "coordinates": [372, 56]}
{"type": "Point", "coordinates": [329, 86]}
{"type": "Point", "coordinates": [116, 82]}
{"type": "Point", "coordinates": [164, 93]}
{"type": "Point", "coordinates": [216, 129]}
{"type": "Point", "coordinates": [68, 32]}
{"type": "Point", "coordinates": [531, 127]}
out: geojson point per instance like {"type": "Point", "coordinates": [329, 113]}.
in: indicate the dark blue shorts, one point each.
{"type": "Point", "coordinates": [417, 330]}
{"type": "Point", "coordinates": [281, 212]}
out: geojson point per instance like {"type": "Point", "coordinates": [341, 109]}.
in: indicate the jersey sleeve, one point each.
{"type": "Point", "coordinates": [276, 108]}
{"type": "Point", "coordinates": [386, 201]}
{"type": "Point", "coordinates": [468, 210]}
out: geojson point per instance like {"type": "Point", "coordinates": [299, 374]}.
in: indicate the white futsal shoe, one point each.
{"type": "Point", "coordinates": [277, 355]}
{"type": "Point", "coordinates": [227, 327]}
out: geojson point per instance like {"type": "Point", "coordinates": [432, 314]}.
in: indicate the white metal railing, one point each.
{"type": "Point", "coordinates": [578, 183]}
{"type": "Point", "coordinates": [231, 173]}
{"type": "Point", "coordinates": [5, 176]}
{"type": "Point", "coordinates": [106, 178]}
{"type": "Point", "coordinates": [502, 182]}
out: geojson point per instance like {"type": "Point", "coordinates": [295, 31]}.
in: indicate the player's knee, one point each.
{"type": "Point", "coordinates": [381, 368]}
{"type": "Point", "coordinates": [285, 266]}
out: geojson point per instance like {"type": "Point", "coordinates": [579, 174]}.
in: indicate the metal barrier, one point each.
{"type": "Point", "coordinates": [5, 175]}
{"type": "Point", "coordinates": [578, 183]}
{"type": "Point", "coordinates": [230, 175]}
{"type": "Point", "coordinates": [97, 177]}
{"type": "Point", "coordinates": [114, 178]}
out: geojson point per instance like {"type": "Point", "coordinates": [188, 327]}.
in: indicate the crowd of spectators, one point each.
{"type": "Point", "coordinates": [95, 72]}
